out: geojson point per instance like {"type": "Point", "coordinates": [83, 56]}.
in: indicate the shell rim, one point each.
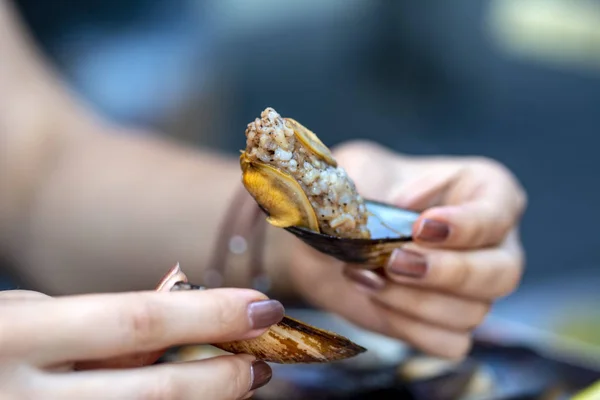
{"type": "Point", "coordinates": [358, 241]}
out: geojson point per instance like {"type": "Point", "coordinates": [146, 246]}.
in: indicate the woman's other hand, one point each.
{"type": "Point", "coordinates": [466, 252]}
{"type": "Point", "coordinates": [45, 342]}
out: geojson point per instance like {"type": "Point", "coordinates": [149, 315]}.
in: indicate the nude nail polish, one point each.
{"type": "Point", "coordinates": [261, 374]}
{"type": "Point", "coordinates": [264, 313]}
{"type": "Point", "coordinates": [364, 278]}
{"type": "Point", "coordinates": [407, 263]}
{"type": "Point", "coordinates": [433, 231]}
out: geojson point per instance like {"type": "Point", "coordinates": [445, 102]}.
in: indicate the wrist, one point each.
{"type": "Point", "coordinates": [249, 252]}
{"type": "Point", "coordinates": [280, 248]}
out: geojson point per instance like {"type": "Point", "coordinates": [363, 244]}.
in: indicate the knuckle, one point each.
{"type": "Point", "coordinates": [460, 349]}
{"type": "Point", "coordinates": [398, 325]}
{"type": "Point", "coordinates": [355, 156]}
{"type": "Point", "coordinates": [425, 305]}
{"type": "Point", "coordinates": [498, 225]}
{"type": "Point", "coordinates": [227, 316]}
{"type": "Point", "coordinates": [465, 315]}
{"type": "Point", "coordinates": [408, 330]}
{"type": "Point", "coordinates": [502, 219]}
{"type": "Point", "coordinates": [144, 322]}
{"type": "Point", "coordinates": [240, 376]}
{"type": "Point", "coordinates": [455, 348]}
{"type": "Point", "coordinates": [477, 315]}
{"type": "Point", "coordinates": [435, 341]}
{"type": "Point", "coordinates": [416, 333]}
{"type": "Point", "coordinates": [510, 283]}
{"type": "Point", "coordinates": [488, 164]}
{"type": "Point", "coordinates": [354, 147]}
{"type": "Point", "coordinates": [454, 270]}
{"type": "Point", "coordinates": [236, 373]}
{"type": "Point", "coordinates": [522, 199]}
{"type": "Point", "coordinates": [512, 268]}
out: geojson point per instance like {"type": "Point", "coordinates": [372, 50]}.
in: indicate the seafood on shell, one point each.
{"type": "Point", "coordinates": [297, 182]}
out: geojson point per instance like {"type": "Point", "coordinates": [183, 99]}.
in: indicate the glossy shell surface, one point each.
{"type": "Point", "coordinates": [390, 228]}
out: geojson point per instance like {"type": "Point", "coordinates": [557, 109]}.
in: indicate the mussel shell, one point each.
{"type": "Point", "coordinates": [369, 253]}
{"type": "Point", "coordinates": [288, 342]}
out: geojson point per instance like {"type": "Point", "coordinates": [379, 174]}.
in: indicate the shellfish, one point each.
{"type": "Point", "coordinates": [296, 181]}
{"type": "Point", "coordinates": [288, 342]}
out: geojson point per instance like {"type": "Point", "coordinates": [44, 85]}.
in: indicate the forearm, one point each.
{"type": "Point", "coordinates": [86, 208]}
{"type": "Point", "coordinates": [117, 211]}
{"type": "Point", "coordinates": [34, 106]}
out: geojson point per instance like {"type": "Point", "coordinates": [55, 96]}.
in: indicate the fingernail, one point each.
{"type": "Point", "coordinates": [265, 313]}
{"type": "Point", "coordinates": [365, 278]}
{"type": "Point", "coordinates": [261, 374]}
{"type": "Point", "coordinates": [407, 263]}
{"type": "Point", "coordinates": [433, 231]}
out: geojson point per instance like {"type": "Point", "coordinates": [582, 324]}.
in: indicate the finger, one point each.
{"type": "Point", "coordinates": [492, 208]}
{"type": "Point", "coordinates": [425, 189]}
{"type": "Point", "coordinates": [431, 339]}
{"type": "Point", "coordinates": [435, 308]}
{"type": "Point", "coordinates": [104, 326]}
{"type": "Point", "coordinates": [18, 294]}
{"type": "Point", "coordinates": [219, 378]}
{"type": "Point", "coordinates": [484, 274]}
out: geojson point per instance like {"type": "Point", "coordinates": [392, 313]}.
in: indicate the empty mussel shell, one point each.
{"type": "Point", "coordinates": [289, 342]}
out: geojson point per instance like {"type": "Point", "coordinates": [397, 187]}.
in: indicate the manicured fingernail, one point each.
{"type": "Point", "coordinates": [433, 231]}
{"type": "Point", "coordinates": [265, 313]}
{"type": "Point", "coordinates": [261, 374]}
{"type": "Point", "coordinates": [368, 279]}
{"type": "Point", "coordinates": [407, 263]}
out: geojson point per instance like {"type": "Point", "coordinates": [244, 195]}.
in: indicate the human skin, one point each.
{"type": "Point", "coordinates": [466, 254]}
{"type": "Point", "coordinates": [88, 206]}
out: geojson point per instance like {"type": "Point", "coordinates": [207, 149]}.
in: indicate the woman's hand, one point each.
{"type": "Point", "coordinates": [465, 255]}
{"type": "Point", "coordinates": [43, 340]}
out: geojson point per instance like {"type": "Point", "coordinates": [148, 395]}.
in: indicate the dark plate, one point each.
{"type": "Point", "coordinates": [516, 372]}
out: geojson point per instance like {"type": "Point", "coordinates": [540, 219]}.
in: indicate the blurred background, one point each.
{"type": "Point", "coordinates": [513, 80]}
